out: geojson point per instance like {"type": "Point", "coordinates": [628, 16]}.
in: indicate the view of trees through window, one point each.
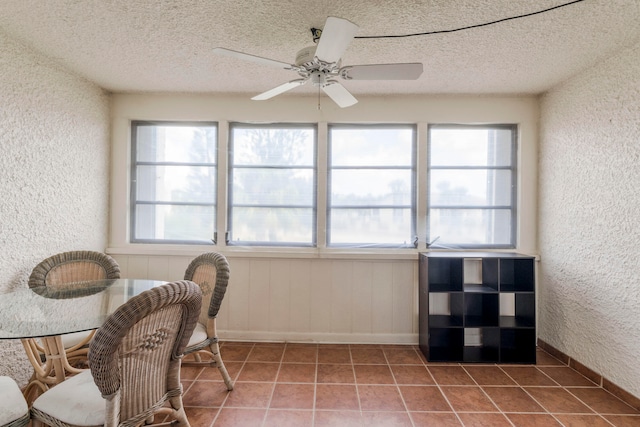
{"type": "Point", "coordinates": [371, 185]}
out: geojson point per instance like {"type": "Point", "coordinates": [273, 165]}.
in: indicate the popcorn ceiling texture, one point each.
{"type": "Point", "coordinates": [589, 305]}
{"type": "Point", "coordinates": [54, 169]}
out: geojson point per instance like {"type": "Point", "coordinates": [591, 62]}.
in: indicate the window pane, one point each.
{"type": "Point", "coordinates": [362, 187]}
{"type": "Point", "coordinates": [371, 147]}
{"type": "Point", "coordinates": [373, 226]}
{"type": "Point", "coordinates": [460, 187]}
{"type": "Point", "coordinates": [482, 227]}
{"type": "Point", "coordinates": [272, 225]}
{"type": "Point", "coordinates": [371, 167]}
{"type": "Point", "coordinates": [273, 186]}
{"type": "Point", "coordinates": [181, 144]}
{"type": "Point", "coordinates": [470, 147]}
{"type": "Point", "coordinates": [173, 172]}
{"type": "Point", "coordinates": [273, 146]}
{"type": "Point", "coordinates": [176, 184]}
{"type": "Point", "coordinates": [470, 168]}
{"type": "Point", "coordinates": [182, 223]}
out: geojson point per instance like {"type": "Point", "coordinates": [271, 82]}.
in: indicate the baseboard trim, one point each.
{"type": "Point", "coordinates": [603, 382]}
{"type": "Point", "coordinates": [319, 338]}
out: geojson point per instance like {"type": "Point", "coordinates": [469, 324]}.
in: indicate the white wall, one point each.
{"type": "Point", "coordinates": [54, 174]}
{"type": "Point", "coordinates": [319, 294]}
{"type": "Point", "coordinates": [589, 208]}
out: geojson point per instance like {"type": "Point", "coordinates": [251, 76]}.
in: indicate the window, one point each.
{"type": "Point", "coordinates": [472, 186]}
{"type": "Point", "coordinates": [371, 185]}
{"type": "Point", "coordinates": [272, 185]}
{"type": "Point", "coordinates": [173, 182]}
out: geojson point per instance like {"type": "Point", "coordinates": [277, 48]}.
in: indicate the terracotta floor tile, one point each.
{"type": "Point", "coordinates": [602, 401]}
{"type": "Point", "coordinates": [331, 373]}
{"type": "Point", "coordinates": [434, 419]}
{"type": "Point", "coordinates": [293, 396]}
{"type": "Point", "coordinates": [411, 374]}
{"type": "Point", "coordinates": [450, 375]}
{"type": "Point", "coordinates": [287, 418]}
{"type": "Point", "coordinates": [266, 353]}
{"type": "Point", "coordinates": [373, 374]}
{"type": "Point", "coordinates": [337, 397]}
{"type": "Point", "coordinates": [566, 376]}
{"type": "Point", "coordinates": [533, 420]}
{"type": "Point", "coordinates": [205, 394]}
{"type": "Point", "coordinates": [512, 399]}
{"type": "Point", "coordinates": [235, 353]}
{"type": "Point", "coordinates": [468, 399]}
{"type": "Point", "coordinates": [402, 356]}
{"type": "Point", "coordinates": [202, 417]}
{"type": "Point", "coordinates": [334, 355]}
{"type": "Point", "coordinates": [337, 419]}
{"type": "Point", "coordinates": [543, 358]}
{"type": "Point", "coordinates": [190, 372]}
{"type": "Point", "coordinates": [569, 420]}
{"type": "Point", "coordinates": [297, 373]}
{"type": "Point", "coordinates": [380, 398]}
{"type": "Point", "coordinates": [259, 371]}
{"type": "Point", "coordinates": [484, 420]}
{"type": "Point", "coordinates": [489, 375]}
{"type": "Point", "coordinates": [558, 400]}
{"type": "Point", "coordinates": [304, 353]}
{"type": "Point", "coordinates": [528, 375]}
{"type": "Point", "coordinates": [624, 420]}
{"type": "Point", "coordinates": [386, 419]}
{"type": "Point", "coordinates": [368, 356]}
{"type": "Point", "coordinates": [234, 417]}
{"type": "Point", "coordinates": [423, 398]}
{"type": "Point", "coordinates": [249, 395]}
{"type": "Point", "coordinates": [213, 374]}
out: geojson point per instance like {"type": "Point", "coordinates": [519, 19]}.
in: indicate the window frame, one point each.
{"type": "Point", "coordinates": [230, 194]}
{"type": "Point", "coordinates": [432, 242]}
{"type": "Point", "coordinates": [413, 191]}
{"type": "Point", "coordinates": [133, 202]}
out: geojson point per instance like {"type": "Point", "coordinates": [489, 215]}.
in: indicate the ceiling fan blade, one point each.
{"type": "Point", "coordinates": [339, 94]}
{"type": "Point", "coordinates": [408, 71]}
{"type": "Point", "coordinates": [279, 89]}
{"type": "Point", "coordinates": [336, 36]}
{"type": "Point", "coordinates": [252, 58]}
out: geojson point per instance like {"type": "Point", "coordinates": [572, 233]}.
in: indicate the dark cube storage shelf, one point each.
{"type": "Point", "coordinates": [477, 307]}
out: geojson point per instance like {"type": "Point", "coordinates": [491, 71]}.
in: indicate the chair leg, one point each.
{"type": "Point", "coordinates": [215, 350]}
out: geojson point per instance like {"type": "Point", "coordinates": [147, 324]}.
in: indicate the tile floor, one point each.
{"type": "Point", "coordinates": [384, 385]}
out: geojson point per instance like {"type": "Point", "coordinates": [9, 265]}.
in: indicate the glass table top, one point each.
{"type": "Point", "coordinates": [74, 307]}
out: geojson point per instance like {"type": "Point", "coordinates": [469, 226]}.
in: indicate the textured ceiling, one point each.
{"type": "Point", "coordinates": [165, 46]}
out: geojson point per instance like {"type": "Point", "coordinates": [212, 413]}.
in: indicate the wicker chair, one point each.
{"type": "Point", "coordinates": [135, 365]}
{"type": "Point", "coordinates": [211, 272]}
{"type": "Point", "coordinates": [14, 411]}
{"type": "Point", "coordinates": [71, 267]}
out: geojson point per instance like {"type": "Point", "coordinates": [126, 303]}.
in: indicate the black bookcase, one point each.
{"type": "Point", "coordinates": [477, 307]}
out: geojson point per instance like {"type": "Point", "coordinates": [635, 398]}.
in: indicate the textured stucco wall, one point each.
{"type": "Point", "coordinates": [589, 233]}
{"type": "Point", "coordinates": [54, 171]}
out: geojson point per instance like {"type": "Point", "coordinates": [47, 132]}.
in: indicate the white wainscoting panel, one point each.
{"type": "Point", "coordinates": [305, 300]}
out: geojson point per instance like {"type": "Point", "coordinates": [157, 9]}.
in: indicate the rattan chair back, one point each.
{"type": "Point", "coordinates": [74, 266]}
{"type": "Point", "coordinates": [211, 272]}
{"type": "Point", "coordinates": [135, 356]}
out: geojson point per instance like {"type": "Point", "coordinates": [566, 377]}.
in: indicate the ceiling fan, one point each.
{"type": "Point", "coordinates": [322, 65]}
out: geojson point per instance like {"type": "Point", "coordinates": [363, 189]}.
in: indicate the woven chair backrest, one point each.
{"type": "Point", "coordinates": [135, 355]}
{"type": "Point", "coordinates": [211, 272]}
{"type": "Point", "coordinates": [74, 266]}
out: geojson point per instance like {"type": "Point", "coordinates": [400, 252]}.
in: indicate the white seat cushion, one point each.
{"type": "Point", "coordinates": [69, 340]}
{"type": "Point", "coordinates": [199, 335]}
{"type": "Point", "coordinates": [12, 403]}
{"type": "Point", "coordinates": [75, 401]}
